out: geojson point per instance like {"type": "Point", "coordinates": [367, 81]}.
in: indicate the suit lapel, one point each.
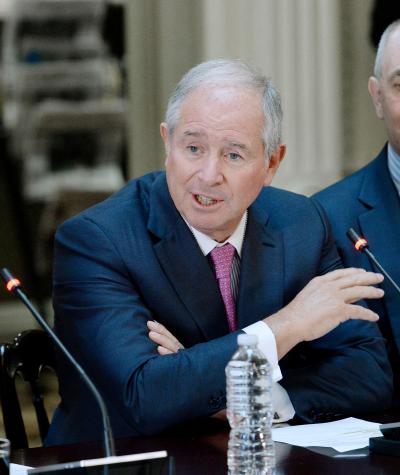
{"type": "Point", "coordinates": [185, 266]}
{"type": "Point", "coordinates": [380, 224]}
{"type": "Point", "coordinates": [261, 274]}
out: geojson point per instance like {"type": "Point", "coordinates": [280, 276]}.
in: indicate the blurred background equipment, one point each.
{"type": "Point", "coordinates": [64, 115]}
{"type": "Point", "coordinates": [30, 353]}
{"type": "Point", "coordinates": [62, 143]}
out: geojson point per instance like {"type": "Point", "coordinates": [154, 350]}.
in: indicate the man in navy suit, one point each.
{"type": "Point", "coordinates": [368, 200]}
{"type": "Point", "coordinates": [140, 299]}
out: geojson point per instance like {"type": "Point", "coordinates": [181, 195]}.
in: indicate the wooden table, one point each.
{"type": "Point", "coordinates": [201, 450]}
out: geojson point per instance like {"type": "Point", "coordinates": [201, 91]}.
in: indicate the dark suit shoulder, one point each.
{"type": "Point", "coordinates": [131, 200]}
{"type": "Point", "coordinates": [275, 198]}
{"type": "Point", "coordinates": [348, 188]}
{"type": "Point", "coordinates": [286, 207]}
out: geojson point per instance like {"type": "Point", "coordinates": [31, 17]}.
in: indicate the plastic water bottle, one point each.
{"type": "Point", "coordinates": [251, 450]}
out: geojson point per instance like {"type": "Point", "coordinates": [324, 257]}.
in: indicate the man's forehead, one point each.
{"type": "Point", "coordinates": [215, 94]}
{"type": "Point", "coordinates": [219, 107]}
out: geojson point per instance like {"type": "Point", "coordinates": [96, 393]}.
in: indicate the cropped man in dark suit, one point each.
{"type": "Point", "coordinates": [368, 200]}
{"type": "Point", "coordinates": [204, 251]}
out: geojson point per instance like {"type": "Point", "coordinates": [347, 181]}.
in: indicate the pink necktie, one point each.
{"type": "Point", "coordinates": [222, 258]}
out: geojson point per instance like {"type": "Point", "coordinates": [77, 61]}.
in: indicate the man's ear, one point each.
{"type": "Point", "coordinates": [375, 93]}
{"type": "Point", "coordinates": [274, 161]}
{"type": "Point", "coordinates": [165, 136]}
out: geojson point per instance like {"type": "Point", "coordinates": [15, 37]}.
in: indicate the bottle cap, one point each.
{"type": "Point", "coordinates": [247, 339]}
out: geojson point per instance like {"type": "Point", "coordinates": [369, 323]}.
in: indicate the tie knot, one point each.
{"type": "Point", "coordinates": [222, 258]}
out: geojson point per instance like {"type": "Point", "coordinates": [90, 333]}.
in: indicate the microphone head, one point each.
{"type": "Point", "coordinates": [359, 243]}
{"type": "Point", "coordinates": [11, 282]}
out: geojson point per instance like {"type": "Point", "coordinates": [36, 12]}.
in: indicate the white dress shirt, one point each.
{"type": "Point", "coordinates": [283, 407]}
{"type": "Point", "coordinates": [394, 167]}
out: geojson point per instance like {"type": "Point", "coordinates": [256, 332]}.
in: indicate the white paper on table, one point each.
{"type": "Point", "coordinates": [16, 469]}
{"type": "Point", "coordinates": [346, 434]}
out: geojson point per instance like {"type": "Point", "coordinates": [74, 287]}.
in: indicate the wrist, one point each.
{"type": "Point", "coordinates": [285, 329]}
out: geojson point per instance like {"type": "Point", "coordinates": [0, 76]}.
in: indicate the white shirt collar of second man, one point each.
{"type": "Point", "coordinates": [394, 166]}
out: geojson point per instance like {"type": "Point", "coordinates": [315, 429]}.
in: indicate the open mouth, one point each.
{"type": "Point", "coordinates": [206, 200]}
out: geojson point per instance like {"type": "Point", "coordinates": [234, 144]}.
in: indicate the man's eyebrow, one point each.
{"type": "Point", "coordinates": [198, 133]}
{"type": "Point", "coordinates": [193, 133]}
{"type": "Point", "coordinates": [394, 74]}
{"type": "Point", "coordinates": [240, 145]}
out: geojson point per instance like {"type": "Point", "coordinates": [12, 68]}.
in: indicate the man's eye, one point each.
{"type": "Point", "coordinates": [234, 157]}
{"type": "Point", "coordinates": [193, 148]}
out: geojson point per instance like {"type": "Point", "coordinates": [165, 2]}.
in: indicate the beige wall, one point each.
{"type": "Point", "coordinates": [163, 41]}
{"type": "Point", "coordinates": [317, 52]}
{"type": "Point", "coordinates": [363, 133]}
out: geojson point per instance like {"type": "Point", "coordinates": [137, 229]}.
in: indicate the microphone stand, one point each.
{"type": "Point", "coordinates": [122, 464]}
{"type": "Point", "coordinates": [389, 444]}
{"type": "Point", "coordinates": [14, 286]}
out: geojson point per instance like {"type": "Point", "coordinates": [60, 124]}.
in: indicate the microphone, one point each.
{"type": "Point", "coordinates": [361, 244]}
{"type": "Point", "coordinates": [389, 443]}
{"type": "Point", "coordinates": [13, 285]}
{"type": "Point", "coordinates": [149, 462]}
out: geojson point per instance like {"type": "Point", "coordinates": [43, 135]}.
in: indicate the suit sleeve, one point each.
{"type": "Point", "coordinates": [101, 317]}
{"type": "Point", "coordinates": [343, 373]}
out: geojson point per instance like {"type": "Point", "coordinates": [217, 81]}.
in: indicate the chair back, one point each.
{"type": "Point", "coordinates": [31, 351]}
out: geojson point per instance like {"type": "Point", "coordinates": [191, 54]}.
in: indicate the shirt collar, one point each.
{"type": "Point", "coordinates": [207, 244]}
{"type": "Point", "coordinates": [394, 167]}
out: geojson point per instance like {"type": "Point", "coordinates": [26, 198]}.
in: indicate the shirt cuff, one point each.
{"type": "Point", "coordinates": [283, 407]}
{"type": "Point", "coordinates": [281, 403]}
{"type": "Point", "coordinates": [267, 344]}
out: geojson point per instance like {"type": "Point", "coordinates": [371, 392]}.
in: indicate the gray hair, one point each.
{"type": "Point", "coordinates": [381, 47]}
{"type": "Point", "coordinates": [228, 72]}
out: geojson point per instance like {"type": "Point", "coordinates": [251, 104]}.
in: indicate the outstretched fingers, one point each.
{"type": "Point", "coordinates": [353, 294]}
{"type": "Point", "coordinates": [341, 273]}
{"type": "Point", "coordinates": [356, 312]}
{"type": "Point", "coordinates": [359, 278]}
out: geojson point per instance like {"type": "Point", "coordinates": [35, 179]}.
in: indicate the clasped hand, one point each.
{"type": "Point", "coordinates": [323, 304]}
{"type": "Point", "coordinates": [165, 340]}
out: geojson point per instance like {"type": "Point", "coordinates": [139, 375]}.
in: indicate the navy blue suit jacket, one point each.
{"type": "Point", "coordinates": [133, 258]}
{"type": "Point", "coordinates": [368, 201]}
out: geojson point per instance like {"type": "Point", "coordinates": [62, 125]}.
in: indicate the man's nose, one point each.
{"type": "Point", "coordinates": [211, 170]}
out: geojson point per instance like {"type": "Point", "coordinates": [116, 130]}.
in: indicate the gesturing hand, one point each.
{"type": "Point", "coordinates": [323, 304]}
{"type": "Point", "coordinates": [165, 340]}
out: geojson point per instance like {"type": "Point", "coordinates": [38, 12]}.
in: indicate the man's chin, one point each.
{"type": "Point", "coordinates": [213, 230]}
